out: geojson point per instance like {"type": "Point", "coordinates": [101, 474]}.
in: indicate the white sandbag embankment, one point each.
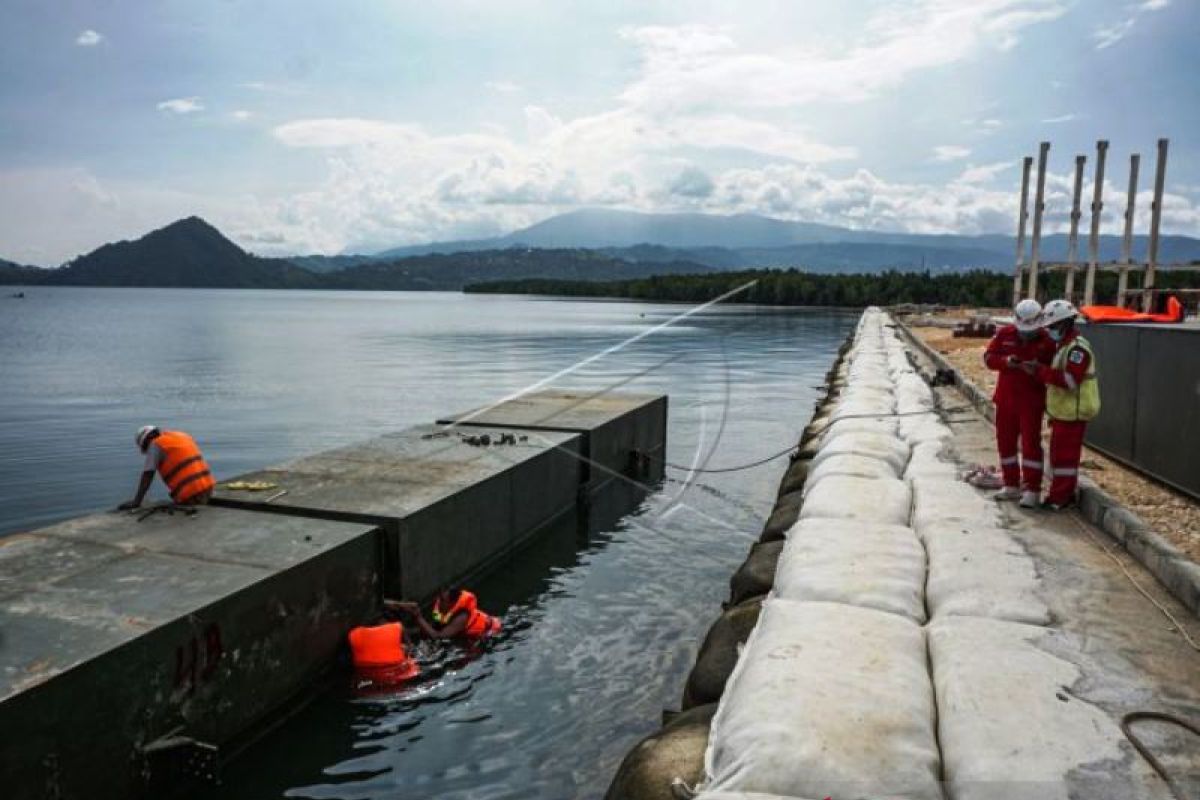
{"type": "Point", "coordinates": [827, 700]}
{"type": "Point", "coordinates": [938, 500]}
{"type": "Point", "coordinates": [885, 426]}
{"type": "Point", "coordinates": [876, 445]}
{"type": "Point", "coordinates": [927, 462]}
{"type": "Point", "coordinates": [885, 500]}
{"type": "Point", "coordinates": [1007, 724]}
{"type": "Point", "coordinates": [852, 464]}
{"type": "Point", "coordinates": [981, 571]}
{"type": "Point", "coordinates": [861, 564]}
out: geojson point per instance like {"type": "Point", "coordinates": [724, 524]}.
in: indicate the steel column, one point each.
{"type": "Point", "coordinates": [1135, 161]}
{"type": "Point", "coordinates": [1160, 176]}
{"type": "Point", "coordinates": [1089, 286]}
{"type": "Point", "coordinates": [1039, 206]}
{"type": "Point", "coordinates": [1073, 238]}
{"type": "Point", "coordinates": [1022, 217]}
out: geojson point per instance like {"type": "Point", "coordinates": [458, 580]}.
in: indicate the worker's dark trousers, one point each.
{"type": "Point", "coordinates": [1066, 446]}
{"type": "Point", "coordinates": [1020, 420]}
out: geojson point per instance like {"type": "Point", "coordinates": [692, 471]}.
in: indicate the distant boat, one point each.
{"type": "Point", "coordinates": [18, 296]}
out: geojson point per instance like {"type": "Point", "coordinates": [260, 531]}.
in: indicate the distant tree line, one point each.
{"type": "Point", "coordinates": [794, 287]}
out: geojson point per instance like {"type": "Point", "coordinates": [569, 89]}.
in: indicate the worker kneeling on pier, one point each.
{"type": "Point", "coordinates": [380, 656]}
{"type": "Point", "coordinates": [1072, 398]}
{"type": "Point", "coordinates": [180, 464]}
{"type": "Point", "coordinates": [456, 614]}
{"type": "Point", "coordinates": [1020, 400]}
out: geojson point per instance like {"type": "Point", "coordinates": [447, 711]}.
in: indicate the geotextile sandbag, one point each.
{"type": "Point", "coordinates": [886, 500]}
{"type": "Point", "coordinates": [924, 428]}
{"type": "Point", "coordinates": [981, 572]}
{"type": "Point", "coordinates": [827, 700]}
{"type": "Point", "coordinates": [864, 443]}
{"type": "Point", "coordinates": [1008, 721]}
{"type": "Point", "coordinates": [784, 516]}
{"type": "Point", "coordinates": [883, 425]}
{"type": "Point", "coordinates": [756, 575]}
{"type": "Point", "coordinates": [939, 500]}
{"type": "Point", "coordinates": [927, 461]}
{"type": "Point", "coordinates": [856, 563]}
{"type": "Point", "coordinates": [795, 477]}
{"type": "Point", "coordinates": [718, 653]}
{"type": "Point", "coordinates": [850, 464]}
{"type": "Point", "coordinates": [675, 751]}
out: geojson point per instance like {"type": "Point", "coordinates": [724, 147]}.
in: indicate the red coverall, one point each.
{"type": "Point", "coordinates": [1020, 400]}
{"type": "Point", "coordinates": [1066, 438]}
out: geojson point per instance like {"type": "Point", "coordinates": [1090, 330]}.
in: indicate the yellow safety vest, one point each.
{"type": "Point", "coordinates": [1081, 403]}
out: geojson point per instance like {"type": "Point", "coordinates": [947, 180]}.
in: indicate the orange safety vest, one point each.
{"type": "Point", "coordinates": [183, 468]}
{"type": "Point", "coordinates": [479, 624]}
{"type": "Point", "coordinates": [378, 653]}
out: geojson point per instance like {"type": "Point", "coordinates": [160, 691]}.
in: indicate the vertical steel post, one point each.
{"type": "Point", "coordinates": [1135, 161]}
{"type": "Point", "coordinates": [1039, 205]}
{"type": "Point", "coordinates": [1022, 218]}
{"type": "Point", "coordinates": [1160, 177]}
{"type": "Point", "coordinates": [1089, 284]}
{"type": "Point", "coordinates": [1073, 238]}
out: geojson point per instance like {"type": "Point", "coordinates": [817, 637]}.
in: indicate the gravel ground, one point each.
{"type": "Point", "coordinates": [1175, 516]}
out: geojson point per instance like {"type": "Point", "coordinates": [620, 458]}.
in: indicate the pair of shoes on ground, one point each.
{"type": "Point", "coordinates": [1025, 499]}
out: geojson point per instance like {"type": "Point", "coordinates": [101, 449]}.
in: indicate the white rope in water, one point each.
{"type": "Point", "coordinates": [1166, 612]}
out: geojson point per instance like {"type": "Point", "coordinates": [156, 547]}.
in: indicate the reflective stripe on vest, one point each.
{"type": "Point", "coordinates": [183, 468]}
{"type": "Point", "coordinates": [1079, 404]}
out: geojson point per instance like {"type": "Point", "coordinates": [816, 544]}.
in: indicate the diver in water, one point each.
{"type": "Point", "coordinates": [456, 615]}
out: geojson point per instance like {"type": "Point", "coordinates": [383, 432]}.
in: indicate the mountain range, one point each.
{"type": "Point", "coordinates": [583, 245]}
{"type": "Point", "coordinates": [191, 253]}
{"type": "Point", "coordinates": [749, 240]}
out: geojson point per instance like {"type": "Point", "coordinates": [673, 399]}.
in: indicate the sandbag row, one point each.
{"type": "Point", "coordinates": [1008, 723]}
{"type": "Point", "coordinates": [832, 695]}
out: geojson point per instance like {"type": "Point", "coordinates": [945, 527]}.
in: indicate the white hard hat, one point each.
{"type": "Point", "coordinates": [1028, 315]}
{"type": "Point", "coordinates": [143, 435]}
{"type": "Point", "coordinates": [1057, 311]}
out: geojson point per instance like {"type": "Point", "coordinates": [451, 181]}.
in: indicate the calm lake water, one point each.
{"type": "Point", "coordinates": [599, 631]}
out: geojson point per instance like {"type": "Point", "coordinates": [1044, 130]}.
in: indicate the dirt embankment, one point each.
{"type": "Point", "coordinates": [1173, 515]}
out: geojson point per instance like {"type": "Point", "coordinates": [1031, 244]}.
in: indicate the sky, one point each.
{"type": "Point", "coordinates": [319, 127]}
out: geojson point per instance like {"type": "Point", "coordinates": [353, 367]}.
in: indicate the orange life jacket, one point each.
{"type": "Point", "coordinates": [479, 624]}
{"type": "Point", "coordinates": [183, 468]}
{"type": "Point", "coordinates": [378, 653]}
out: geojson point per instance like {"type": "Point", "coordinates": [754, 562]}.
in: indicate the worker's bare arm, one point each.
{"type": "Point", "coordinates": [143, 487]}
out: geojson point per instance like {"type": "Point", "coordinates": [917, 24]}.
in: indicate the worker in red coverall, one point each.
{"type": "Point", "coordinates": [1020, 401]}
{"type": "Point", "coordinates": [1072, 398]}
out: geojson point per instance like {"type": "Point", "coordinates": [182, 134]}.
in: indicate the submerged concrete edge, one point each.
{"type": "Point", "coordinates": [1174, 570]}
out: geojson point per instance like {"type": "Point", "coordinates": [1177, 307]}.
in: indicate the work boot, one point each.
{"type": "Point", "coordinates": [1029, 499]}
{"type": "Point", "coordinates": [1008, 493]}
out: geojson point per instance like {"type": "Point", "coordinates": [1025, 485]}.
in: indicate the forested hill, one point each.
{"type": "Point", "coordinates": [191, 253]}
{"type": "Point", "coordinates": [456, 270]}
{"type": "Point", "coordinates": [795, 288]}
{"type": "Point", "coordinates": [785, 287]}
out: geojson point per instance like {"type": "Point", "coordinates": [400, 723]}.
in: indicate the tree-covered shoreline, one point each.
{"type": "Point", "coordinates": [792, 287]}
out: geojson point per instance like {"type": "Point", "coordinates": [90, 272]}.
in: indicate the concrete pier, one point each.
{"type": "Point", "coordinates": [117, 633]}
{"type": "Point", "coordinates": [137, 650]}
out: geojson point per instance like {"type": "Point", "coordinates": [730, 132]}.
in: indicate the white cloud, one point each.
{"type": "Point", "coordinates": [503, 87]}
{"type": "Point", "coordinates": [241, 114]}
{"type": "Point", "coordinates": [1108, 35]}
{"type": "Point", "coordinates": [950, 152]}
{"type": "Point", "coordinates": [984, 172]}
{"type": "Point", "coordinates": [181, 105]}
{"type": "Point", "coordinates": [693, 66]}
{"type": "Point", "coordinates": [89, 38]}
{"type": "Point", "coordinates": [1058, 119]}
